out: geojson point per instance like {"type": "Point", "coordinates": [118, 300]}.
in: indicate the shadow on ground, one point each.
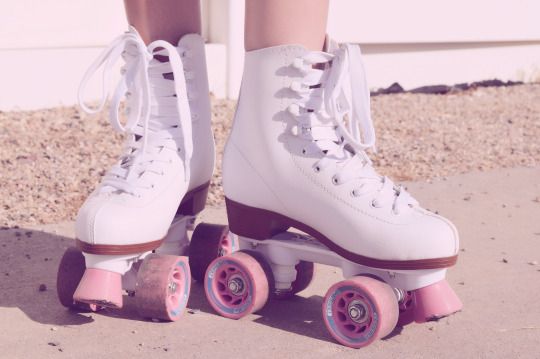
{"type": "Point", "coordinates": [28, 264]}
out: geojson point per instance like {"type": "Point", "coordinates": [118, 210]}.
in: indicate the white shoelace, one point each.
{"type": "Point", "coordinates": [158, 112]}
{"type": "Point", "coordinates": [334, 117]}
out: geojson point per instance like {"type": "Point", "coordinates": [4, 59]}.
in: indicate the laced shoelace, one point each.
{"type": "Point", "coordinates": [334, 117]}
{"type": "Point", "coordinates": [158, 112]}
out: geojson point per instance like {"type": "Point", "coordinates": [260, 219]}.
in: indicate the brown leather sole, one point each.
{"type": "Point", "coordinates": [262, 224]}
{"type": "Point", "coordinates": [192, 204]}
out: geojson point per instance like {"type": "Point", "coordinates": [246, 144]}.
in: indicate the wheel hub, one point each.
{"type": "Point", "coordinates": [236, 285]}
{"type": "Point", "coordinates": [357, 311]}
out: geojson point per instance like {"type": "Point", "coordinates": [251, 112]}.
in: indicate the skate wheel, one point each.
{"type": "Point", "coordinates": [360, 310]}
{"type": "Point", "coordinates": [304, 276]}
{"type": "Point", "coordinates": [208, 242]}
{"type": "Point", "coordinates": [162, 288]}
{"type": "Point", "coordinates": [236, 285]}
{"type": "Point", "coordinates": [70, 272]}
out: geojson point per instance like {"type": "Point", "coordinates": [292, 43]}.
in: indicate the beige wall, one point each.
{"type": "Point", "coordinates": [46, 45]}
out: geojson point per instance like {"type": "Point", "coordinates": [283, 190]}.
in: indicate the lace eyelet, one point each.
{"type": "Point", "coordinates": [374, 203]}
{"type": "Point", "coordinates": [303, 151]}
{"type": "Point", "coordinates": [335, 180]}
{"type": "Point", "coordinates": [317, 169]}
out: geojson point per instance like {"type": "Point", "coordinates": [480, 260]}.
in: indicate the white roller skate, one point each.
{"type": "Point", "coordinates": [296, 158]}
{"type": "Point", "coordinates": [148, 201]}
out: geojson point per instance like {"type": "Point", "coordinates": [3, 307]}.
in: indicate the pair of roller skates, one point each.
{"type": "Point", "coordinates": [296, 157]}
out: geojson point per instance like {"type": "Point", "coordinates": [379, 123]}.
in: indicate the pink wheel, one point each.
{"type": "Point", "coordinates": [163, 285]}
{"type": "Point", "coordinates": [208, 242]}
{"type": "Point", "coordinates": [304, 276]}
{"type": "Point", "coordinates": [236, 285]}
{"type": "Point", "coordinates": [360, 310]}
{"type": "Point", "coordinates": [406, 309]}
{"type": "Point", "coordinates": [70, 272]}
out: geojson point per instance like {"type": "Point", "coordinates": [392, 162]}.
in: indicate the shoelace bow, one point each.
{"type": "Point", "coordinates": [153, 105]}
{"type": "Point", "coordinates": [334, 114]}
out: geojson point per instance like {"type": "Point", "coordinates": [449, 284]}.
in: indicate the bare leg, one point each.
{"type": "Point", "coordinates": [278, 22]}
{"type": "Point", "coordinates": [167, 20]}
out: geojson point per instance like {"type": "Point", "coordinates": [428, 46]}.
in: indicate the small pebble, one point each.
{"type": "Point", "coordinates": [467, 198]}
{"type": "Point", "coordinates": [42, 288]}
{"type": "Point", "coordinates": [54, 329]}
{"type": "Point", "coordinates": [461, 283]}
{"type": "Point", "coordinates": [504, 260]}
{"type": "Point", "coordinates": [53, 344]}
{"type": "Point", "coordinates": [193, 311]}
{"type": "Point", "coordinates": [533, 263]}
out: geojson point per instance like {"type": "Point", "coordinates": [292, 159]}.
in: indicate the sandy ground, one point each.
{"type": "Point", "coordinates": [51, 159]}
{"type": "Point", "coordinates": [497, 277]}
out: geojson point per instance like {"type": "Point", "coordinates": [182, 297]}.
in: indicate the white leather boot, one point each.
{"type": "Point", "coordinates": [296, 157]}
{"type": "Point", "coordinates": [167, 164]}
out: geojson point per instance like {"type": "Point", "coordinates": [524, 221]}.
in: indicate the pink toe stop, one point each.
{"type": "Point", "coordinates": [101, 287]}
{"type": "Point", "coordinates": [435, 301]}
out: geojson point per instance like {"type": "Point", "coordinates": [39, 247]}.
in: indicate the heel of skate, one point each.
{"type": "Point", "coordinates": [194, 201]}
{"type": "Point", "coordinates": [252, 222]}
{"type": "Point", "coordinates": [101, 287]}
{"type": "Point", "coordinates": [435, 301]}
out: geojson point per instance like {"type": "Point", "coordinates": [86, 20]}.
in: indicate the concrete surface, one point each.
{"type": "Point", "coordinates": [497, 277]}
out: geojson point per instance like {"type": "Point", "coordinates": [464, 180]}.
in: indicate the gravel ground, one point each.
{"type": "Point", "coordinates": [51, 159]}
